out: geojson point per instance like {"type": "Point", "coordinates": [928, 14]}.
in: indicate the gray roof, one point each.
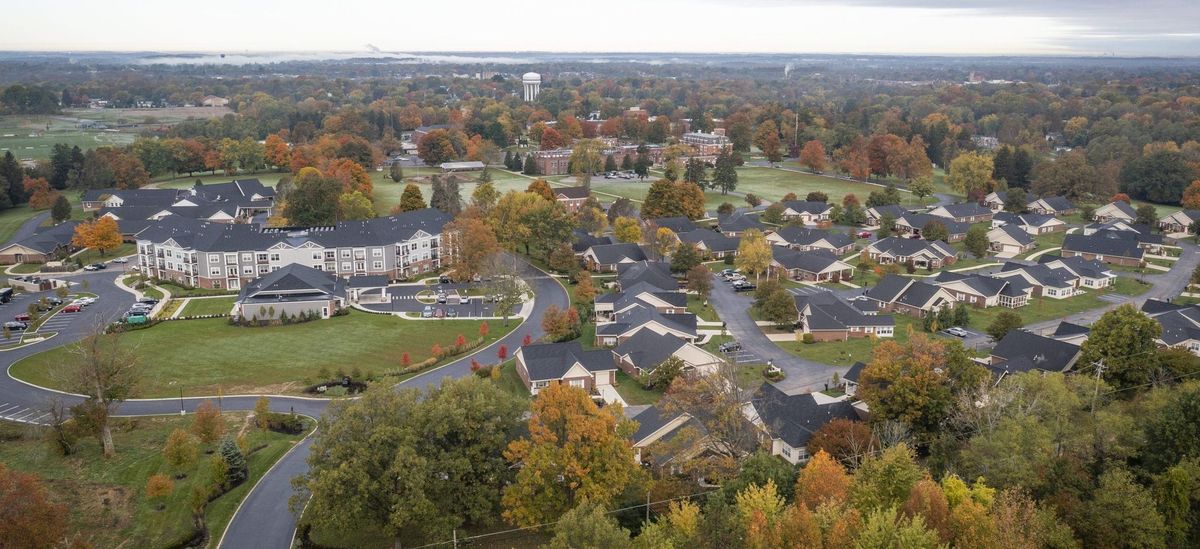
{"type": "Point", "coordinates": [813, 261]}
{"type": "Point", "coordinates": [136, 197]}
{"type": "Point", "coordinates": [894, 210]}
{"type": "Point", "coordinates": [889, 288]}
{"type": "Point", "coordinates": [918, 221]}
{"type": "Point", "coordinates": [1042, 274]}
{"type": "Point", "coordinates": [651, 272]}
{"type": "Point", "coordinates": [804, 236]}
{"type": "Point", "coordinates": [291, 283]}
{"type": "Point", "coordinates": [49, 239]}
{"type": "Point", "coordinates": [918, 294]}
{"type": "Point", "coordinates": [1059, 203]}
{"type": "Point", "coordinates": [794, 418]}
{"type": "Point", "coordinates": [738, 222]}
{"type": "Point", "coordinates": [907, 247]}
{"type": "Point", "coordinates": [677, 224]}
{"type": "Point", "coordinates": [966, 209]}
{"type": "Point", "coordinates": [854, 372]}
{"type": "Point", "coordinates": [983, 285]}
{"type": "Point", "coordinates": [1038, 352]}
{"type": "Point", "coordinates": [1103, 245]}
{"type": "Point", "coordinates": [1179, 323]}
{"type": "Point", "coordinates": [1090, 268]}
{"type": "Point", "coordinates": [584, 240]}
{"type": "Point", "coordinates": [713, 240]}
{"type": "Point", "coordinates": [827, 312]}
{"type": "Point", "coordinates": [1125, 208]}
{"type": "Point", "coordinates": [647, 349]}
{"type": "Point", "coordinates": [572, 192]}
{"type": "Point", "coordinates": [1017, 234]}
{"type": "Point", "coordinates": [640, 315]}
{"type": "Point", "coordinates": [609, 254]}
{"type": "Point", "coordinates": [1070, 329]}
{"type": "Point", "coordinates": [553, 360]}
{"type": "Point", "coordinates": [807, 206]}
{"type": "Point", "coordinates": [367, 281]}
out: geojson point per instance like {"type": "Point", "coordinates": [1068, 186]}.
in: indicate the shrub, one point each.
{"type": "Point", "coordinates": [291, 424]}
{"type": "Point", "coordinates": [808, 338]}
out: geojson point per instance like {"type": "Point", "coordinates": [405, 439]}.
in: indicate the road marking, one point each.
{"type": "Point", "coordinates": [17, 415]}
{"type": "Point", "coordinates": [7, 408]}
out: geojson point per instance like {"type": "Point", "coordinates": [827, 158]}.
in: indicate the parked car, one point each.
{"type": "Point", "coordinates": [148, 301]}
{"type": "Point", "coordinates": [14, 325]}
{"type": "Point", "coordinates": [91, 267]}
{"type": "Point", "coordinates": [23, 317]}
{"type": "Point", "coordinates": [441, 298]}
{"type": "Point", "coordinates": [864, 234]}
{"type": "Point", "coordinates": [54, 300]}
{"type": "Point", "coordinates": [439, 313]}
{"type": "Point", "coordinates": [958, 332]}
{"type": "Point", "coordinates": [427, 312]}
{"type": "Point", "coordinates": [121, 260]}
{"type": "Point", "coordinates": [140, 308]}
{"type": "Point", "coordinates": [729, 347]}
{"type": "Point", "coordinates": [72, 308]}
{"type": "Point", "coordinates": [444, 279]}
{"type": "Point", "coordinates": [744, 287]}
{"type": "Point", "coordinates": [85, 301]}
{"type": "Point", "coordinates": [736, 278]}
{"type": "Point", "coordinates": [451, 313]}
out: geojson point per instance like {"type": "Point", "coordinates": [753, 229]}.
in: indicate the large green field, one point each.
{"type": "Point", "coordinates": [387, 192]}
{"type": "Point", "coordinates": [207, 356]}
{"type": "Point", "coordinates": [105, 498]}
{"type": "Point", "coordinates": [773, 184]}
{"type": "Point", "coordinates": [33, 136]}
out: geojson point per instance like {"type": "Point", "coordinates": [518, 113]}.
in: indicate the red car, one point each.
{"type": "Point", "coordinates": [23, 317]}
{"type": "Point", "coordinates": [72, 308]}
{"type": "Point", "coordinates": [864, 234]}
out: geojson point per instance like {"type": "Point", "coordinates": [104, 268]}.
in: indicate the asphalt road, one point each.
{"type": "Point", "coordinates": [264, 518]}
{"type": "Point", "coordinates": [29, 227]}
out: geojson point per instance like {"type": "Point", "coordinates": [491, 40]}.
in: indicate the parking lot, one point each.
{"type": "Point", "coordinates": [414, 298]}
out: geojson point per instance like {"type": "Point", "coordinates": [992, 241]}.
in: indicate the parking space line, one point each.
{"type": "Point", "coordinates": [7, 408]}
{"type": "Point", "coordinates": [16, 416]}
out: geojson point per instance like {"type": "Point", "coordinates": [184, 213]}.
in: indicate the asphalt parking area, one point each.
{"type": "Point", "coordinates": [22, 414]}
{"type": "Point", "coordinates": [1114, 298]}
{"type": "Point", "coordinates": [742, 356]}
{"type": "Point", "coordinates": [806, 290]}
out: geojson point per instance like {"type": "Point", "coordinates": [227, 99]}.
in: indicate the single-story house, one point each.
{"type": "Point", "coordinates": [850, 380]}
{"type": "Point", "coordinates": [828, 318]}
{"type": "Point", "coordinates": [641, 294]}
{"type": "Point", "coordinates": [1052, 205]}
{"type": "Point", "coordinates": [1091, 273]}
{"type": "Point", "coordinates": [1119, 210]}
{"type": "Point", "coordinates": [813, 266]}
{"type": "Point", "coordinates": [678, 224]}
{"type": "Point", "coordinates": [963, 212]}
{"type": "Point", "coordinates": [875, 214]}
{"type": "Point", "coordinates": [1009, 239]}
{"type": "Point", "coordinates": [582, 240]}
{"type": "Point", "coordinates": [909, 296]}
{"type": "Point", "coordinates": [920, 253]}
{"type": "Point", "coordinates": [647, 349]}
{"type": "Point", "coordinates": [804, 238]}
{"type": "Point", "coordinates": [1071, 333]}
{"type": "Point", "coordinates": [49, 244]}
{"type": "Point", "coordinates": [1033, 224]}
{"type": "Point", "coordinates": [654, 273]}
{"type": "Point", "coordinates": [807, 212]}
{"type": "Point", "coordinates": [657, 442]}
{"type": "Point", "coordinates": [1020, 351]}
{"type": "Point", "coordinates": [629, 322]}
{"type": "Point", "coordinates": [736, 224]}
{"type": "Point", "coordinates": [1179, 222]}
{"type": "Point", "coordinates": [786, 422]}
{"type": "Point", "coordinates": [1045, 280]}
{"type": "Point", "coordinates": [606, 257]}
{"type": "Point", "coordinates": [913, 224]}
{"type": "Point", "coordinates": [712, 244]}
{"type": "Point", "coordinates": [294, 289]}
{"type": "Point", "coordinates": [994, 201]}
{"type": "Point", "coordinates": [1115, 251]}
{"type": "Point", "coordinates": [1180, 324]}
{"type": "Point", "coordinates": [566, 363]}
{"type": "Point", "coordinates": [985, 291]}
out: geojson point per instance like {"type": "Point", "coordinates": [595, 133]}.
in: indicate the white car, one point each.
{"type": "Point", "coordinates": [85, 301]}
{"type": "Point", "coordinates": [957, 332]}
{"type": "Point", "coordinates": [121, 260]}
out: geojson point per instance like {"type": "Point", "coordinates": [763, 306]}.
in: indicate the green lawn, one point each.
{"type": "Point", "coordinates": [387, 192]}
{"type": "Point", "coordinates": [702, 310]}
{"type": "Point", "coordinates": [1128, 286]}
{"type": "Point", "coordinates": [846, 353]}
{"type": "Point", "coordinates": [92, 255]}
{"type": "Point", "coordinates": [773, 184]}
{"type": "Point", "coordinates": [1041, 309]}
{"type": "Point", "coordinates": [511, 382]}
{"type": "Point", "coordinates": [106, 499]}
{"type": "Point", "coordinates": [208, 306]}
{"type": "Point", "coordinates": [12, 219]}
{"type": "Point", "coordinates": [33, 136]}
{"type": "Point", "coordinates": [25, 268]}
{"type": "Point", "coordinates": [179, 291]}
{"type": "Point", "coordinates": [633, 392]}
{"type": "Point", "coordinates": [205, 356]}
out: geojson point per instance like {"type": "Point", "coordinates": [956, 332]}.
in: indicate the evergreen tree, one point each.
{"type": "Point", "coordinates": [61, 210]}
{"type": "Point", "coordinates": [237, 470]}
{"type": "Point", "coordinates": [517, 165]}
{"type": "Point", "coordinates": [1022, 168]}
{"type": "Point", "coordinates": [396, 173]}
{"type": "Point", "coordinates": [694, 172]}
{"type": "Point", "coordinates": [508, 160]}
{"type": "Point", "coordinates": [725, 177]}
{"type": "Point", "coordinates": [11, 178]}
{"type": "Point", "coordinates": [610, 164]}
{"type": "Point", "coordinates": [627, 163]}
{"type": "Point", "coordinates": [530, 165]}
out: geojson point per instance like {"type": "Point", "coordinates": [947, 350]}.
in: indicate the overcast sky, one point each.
{"type": "Point", "coordinates": [1074, 27]}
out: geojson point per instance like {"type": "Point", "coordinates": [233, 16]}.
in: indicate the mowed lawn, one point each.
{"type": "Point", "coordinates": [773, 184]}
{"type": "Point", "coordinates": [185, 182]}
{"type": "Point", "coordinates": [387, 192]}
{"type": "Point", "coordinates": [204, 356]}
{"type": "Point", "coordinates": [208, 306]}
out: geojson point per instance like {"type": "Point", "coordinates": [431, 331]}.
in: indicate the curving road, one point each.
{"type": "Point", "coordinates": [264, 518]}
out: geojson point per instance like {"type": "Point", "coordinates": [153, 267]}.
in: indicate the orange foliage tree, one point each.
{"type": "Point", "coordinates": [101, 234]}
{"type": "Point", "coordinates": [1191, 196]}
{"type": "Point", "coordinates": [41, 196]}
{"type": "Point", "coordinates": [277, 153]}
{"type": "Point", "coordinates": [813, 156]}
{"type": "Point", "coordinates": [27, 516]}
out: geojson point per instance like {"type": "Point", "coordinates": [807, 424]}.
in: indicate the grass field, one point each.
{"type": "Point", "coordinates": [106, 499]}
{"type": "Point", "coordinates": [180, 291]}
{"type": "Point", "coordinates": [185, 182]}
{"type": "Point", "coordinates": [387, 192]}
{"type": "Point", "coordinates": [204, 356]}
{"type": "Point", "coordinates": [208, 306]}
{"type": "Point", "coordinates": [33, 136]}
{"type": "Point", "coordinates": [91, 255]}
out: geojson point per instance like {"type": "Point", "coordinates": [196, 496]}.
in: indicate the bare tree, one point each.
{"type": "Point", "coordinates": [60, 434]}
{"type": "Point", "coordinates": [106, 372]}
{"type": "Point", "coordinates": [716, 401]}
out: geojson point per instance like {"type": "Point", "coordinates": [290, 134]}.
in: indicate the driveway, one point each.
{"type": "Point", "coordinates": [734, 309]}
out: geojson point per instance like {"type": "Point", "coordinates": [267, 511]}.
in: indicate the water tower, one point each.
{"type": "Point", "coordinates": [533, 85]}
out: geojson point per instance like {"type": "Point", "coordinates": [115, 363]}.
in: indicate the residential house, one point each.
{"type": "Point", "coordinates": [608, 305]}
{"type": "Point", "coordinates": [806, 239]}
{"type": "Point", "coordinates": [291, 291]}
{"type": "Point", "coordinates": [786, 422]}
{"type": "Point", "coordinates": [712, 244]}
{"type": "Point", "coordinates": [566, 363]}
{"type": "Point", "coordinates": [572, 198]}
{"type": "Point", "coordinates": [1071, 333]}
{"type": "Point", "coordinates": [807, 212]}
{"type": "Point", "coordinates": [909, 296]}
{"type": "Point", "coordinates": [1046, 281]}
{"type": "Point", "coordinates": [581, 240]}
{"type": "Point", "coordinates": [1179, 222]}
{"type": "Point", "coordinates": [1034, 224]}
{"type": "Point", "coordinates": [223, 255]}
{"type": "Point", "coordinates": [1009, 240]}
{"type": "Point", "coordinates": [632, 320]}
{"type": "Point", "coordinates": [985, 291]}
{"type": "Point", "coordinates": [655, 273]}
{"type": "Point", "coordinates": [1020, 351]}
{"type": "Point", "coordinates": [48, 244]}
{"type": "Point", "coordinates": [647, 349]}
{"type": "Point", "coordinates": [659, 440]}
{"type": "Point", "coordinates": [875, 214]}
{"type": "Point", "coordinates": [213, 101]}
{"type": "Point", "coordinates": [606, 257]}
{"type": "Point", "coordinates": [1114, 251]}
{"type": "Point", "coordinates": [963, 212]}
{"type": "Point", "coordinates": [1151, 243]}
{"type": "Point", "coordinates": [828, 318]}
{"type": "Point", "coordinates": [1119, 210]}
{"type": "Point", "coordinates": [912, 224]}
{"type": "Point", "coordinates": [994, 201]}
{"type": "Point", "coordinates": [1052, 205]}
{"type": "Point", "coordinates": [736, 224]}
{"type": "Point", "coordinates": [237, 201]}
{"type": "Point", "coordinates": [924, 254]}
{"type": "Point", "coordinates": [1180, 324]}
{"type": "Point", "coordinates": [677, 224]}
{"type": "Point", "coordinates": [850, 379]}
{"type": "Point", "coordinates": [1091, 273]}
{"type": "Point", "coordinates": [812, 266]}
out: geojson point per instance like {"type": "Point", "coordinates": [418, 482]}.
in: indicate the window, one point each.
{"type": "Point", "coordinates": [234, 284]}
{"type": "Point", "coordinates": [377, 265]}
{"type": "Point", "coordinates": [377, 252]}
{"type": "Point", "coordinates": [345, 265]}
{"type": "Point", "coordinates": [247, 257]}
{"type": "Point", "coordinates": [577, 383]}
{"type": "Point", "coordinates": [263, 269]}
{"type": "Point", "coordinates": [230, 258]}
{"type": "Point", "coordinates": [214, 258]}
{"type": "Point", "coordinates": [786, 450]}
{"type": "Point", "coordinates": [345, 254]}
{"type": "Point", "coordinates": [316, 256]}
{"type": "Point", "coordinates": [541, 384]}
{"type": "Point", "coordinates": [214, 271]}
{"type": "Point", "coordinates": [262, 257]}
{"type": "Point", "coordinates": [274, 257]}
{"type": "Point", "coordinates": [217, 284]}
{"type": "Point", "coordinates": [247, 270]}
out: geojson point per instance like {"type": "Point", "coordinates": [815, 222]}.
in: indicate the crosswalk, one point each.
{"type": "Point", "coordinates": [23, 414]}
{"type": "Point", "coordinates": [807, 290]}
{"type": "Point", "coordinates": [1114, 298]}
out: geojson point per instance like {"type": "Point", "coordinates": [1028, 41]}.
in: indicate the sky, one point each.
{"type": "Point", "coordinates": [959, 27]}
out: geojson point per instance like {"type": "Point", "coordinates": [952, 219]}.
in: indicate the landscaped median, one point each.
{"type": "Point", "coordinates": [211, 355]}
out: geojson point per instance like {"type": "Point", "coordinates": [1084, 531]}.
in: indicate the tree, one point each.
{"type": "Point", "coordinates": [61, 210]}
{"type": "Point", "coordinates": [887, 224]}
{"type": "Point", "coordinates": [1191, 196]}
{"type": "Point", "coordinates": [484, 197]}
{"type": "Point", "coordinates": [560, 324]}
{"type": "Point", "coordinates": [1015, 201]}
{"type": "Point", "coordinates": [665, 241]}
{"type": "Point", "coordinates": [313, 200]}
{"type": "Point", "coordinates": [396, 172]}
{"type": "Point", "coordinates": [585, 290]}
{"type": "Point", "coordinates": [595, 463]}
{"type": "Point", "coordinates": [1124, 340]}
{"type": "Point", "coordinates": [1068, 175]}
{"type": "Point", "coordinates": [207, 423]}
{"type": "Point", "coordinates": [180, 451]}
{"type": "Point", "coordinates": [812, 156]}
{"type": "Point", "coordinates": [845, 440]}
{"type": "Point", "coordinates": [588, 525]}
{"type": "Point", "coordinates": [410, 199]}
{"type": "Point", "coordinates": [754, 253]}
{"type": "Point", "coordinates": [699, 280]}
{"type": "Point", "coordinates": [407, 461]}
{"type": "Point", "coordinates": [822, 481]}
{"type": "Point", "coordinates": [885, 480]}
{"type": "Point", "coordinates": [41, 196]}
{"type": "Point", "coordinates": [445, 195]}
{"type": "Point", "coordinates": [101, 234]}
{"type": "Point", "coordinates": [921, 187]}
{"type": "Point", "coordinates": [971, 172]}
{"type": "Point", "coordinates": [472, 245]}
{"type": "Point", "coordinates": [436, 147]}
{"type": "Point", "coordinates": [262, 412]}
{"type": "Point", "coordinates": [276, 152]}
{"type": "Point", "coordinates": [1004, 323]}
{"type": "Point", "coordinates": [1173, 437]}
{"type": "Point", "coordinates": [355, 206]}
{"type": "Point", "coordinates": [236, 470]}
{"type": "Point", "coordinates": [621, 207]}
{"type": "Point", "coordinates": [1160, 177]}
{"type": "Point", "coordinates": [107, 373]}
{"type": "Point", "coordinates": [591, 219]}
{"type": "Point", "coordinates": [976, 241]}
{"type": "Point", "coordinates": [816, 196]}
{"type": "Point", "coordinates": [685, 256]}
{"type": "Point", "coordinates": [934, 230]}
{"type": "Point", "coordinates": [551, 139]}
{"type": "Point", "coordinates": [725, 176]}
{"type": "Point", "coordinates": [753, 200]}
{"type": "Point", "coordinates": [667, 198]}
{"type": "Point", "coordinates": [541, 188]}
{"type": "Point", "coordinates": [28, 516]}
{"type": "Point", "coordinates": [158, 487]}
{"type": "Point", "coordinates": [1147, 215]}
{"type": "Point", "coordinates": [694, 172]}
{"type": "Point", "coordinates": [1122, 514]}
{"type": "Point", "coordinates": [779, 307]}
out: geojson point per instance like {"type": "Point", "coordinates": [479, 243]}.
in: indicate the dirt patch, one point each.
{"type": "Point", "coordinates": [289, 387]}
{"type": "Point", "coordinates": [446, 178]}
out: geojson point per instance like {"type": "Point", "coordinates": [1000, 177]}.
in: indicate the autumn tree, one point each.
{"type": "Point", "coordinates": [101, 234]}
{"type": "Point", "coordinates": [588, 525]}
{"type": "Point", "coordinates": [541, 188]}
{"type": "Point", "coordinates": [591, 219]}
{"type": "Point", "coordinates": [822, 481]}
{"type": "Point", "coordinates": [472, 244]}
{"type": "Point", "coordinates": [699, 280]}
{"type": "Point", "coordinates": [754, 253]}
{"type": "Point", "coordinates": [158, 488]}
{"type": "Point", "coordinates": [207, 423]}
{"type": "Point", "coordinates": [436, 147]}
{"type": "Point", "coordinates": [276, 152]}
{"type": "Point", "coordinates": [666, 198]}
{"type": "Point", "coordinates": [665, 241]}
{"type": "Point", "coordinates": [28, 516]}
{"type": "Point", "coordinates": [180, 452]}
{"type": "Point", "coordinates": [104, 370]}
{"type": "Point", "coordinates": [1191, 196]}
{"type": "Point", "coordinates": [594, 463]}
{"type": "Point", "coordinates": [484, 197]}
{"type": "Point", "coordinates": [845, 440]}
{"type": "Point", "coordinates": [560, 324]}
{"type": "Point", "coordinates": [627, 229]}
{"type": "Point", "coordinates": [971, 173]}
{"type": "Point", "coordinates": [355, 206]}
{"type": "Point", "coordinates": [1123, 340]}
{"type": "Point", "coordinates": [812, 156]}
{"type": "Point", "coordinates": [41, 196]}
{"type": "Point", "coordinates": [313, 200]}
{"type": "Point", "coordinates": [410, 199]}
